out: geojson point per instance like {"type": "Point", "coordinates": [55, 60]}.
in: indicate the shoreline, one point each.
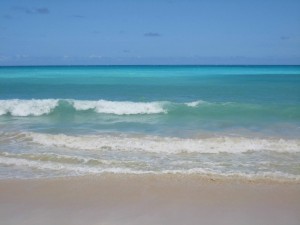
{"type": "Point", "coordinates": [198, 177]}
{"type": "Point", "coordinates": [147, 199]}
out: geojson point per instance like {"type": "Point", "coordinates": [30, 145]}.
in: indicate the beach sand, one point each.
{"type": "Point", "coordinates": [148, 199]}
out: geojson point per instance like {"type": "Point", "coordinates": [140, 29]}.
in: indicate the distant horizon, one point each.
{"type": "Point", "coordinates": [73, 61]}
{"type": "Point", "coordinates": [150, 65]}
{"type": "Point", "coordinates": [145, 65]}
{"type": "Point", "coordinates": [153, 64]}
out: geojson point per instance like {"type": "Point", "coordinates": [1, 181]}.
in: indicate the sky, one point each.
{"type": "Point", "coordinates": [134, 32]}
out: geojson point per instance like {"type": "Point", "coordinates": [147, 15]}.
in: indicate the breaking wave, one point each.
{"type": "Point", "coordinates": [17, 107]}
{"type": "Point", "coordinates": [119, 108]}
{"type": "Point", "coordinates": [32, 154]}
{"type": "Point", "coordinates": [158, 144]}
{"type": "Point", "coordinates": [39, 107]}
{"type": "Point", "coordinates": [35, 107]}
{"type": "Point", "coordinates": [77, 169]}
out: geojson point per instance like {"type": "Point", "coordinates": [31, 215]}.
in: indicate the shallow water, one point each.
{"type": "Point", "coordinates": [215, 120]}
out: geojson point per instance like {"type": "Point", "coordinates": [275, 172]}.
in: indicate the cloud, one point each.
{"type": "Point", "coordinates": [7, 16]}
{"type": "Point", "coordinates": [21, 9]}
{"type": "Point", "coordinates": [284, 38]}
{"type": "Point", "coordinates": [42, 10]}
{"type": "Point", "coordinates": [152, 34]}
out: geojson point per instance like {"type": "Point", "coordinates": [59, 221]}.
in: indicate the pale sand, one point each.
{"type": "Point", "coordinates": [147, 199]}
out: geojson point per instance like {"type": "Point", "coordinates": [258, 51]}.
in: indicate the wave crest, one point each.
{"type": "Point", "coordinates": [34, 107]}
{"type": "Point", "coordinates": [38, 107]}
{"type": "Point", "coordinates": [120, 108]}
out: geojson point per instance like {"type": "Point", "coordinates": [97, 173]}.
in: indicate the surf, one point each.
{"type": "Point", "coordinates": [42, 107]}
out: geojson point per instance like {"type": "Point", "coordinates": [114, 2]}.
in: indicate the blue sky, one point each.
{"type": "Point", "coordinates": [56, 32]}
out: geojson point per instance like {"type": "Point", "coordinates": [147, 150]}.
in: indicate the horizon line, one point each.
{"type": "Point", "coordinates": [66, 65]}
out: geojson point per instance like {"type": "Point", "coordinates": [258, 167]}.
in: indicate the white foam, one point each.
{"type": "Point", "coordinates": [38, 107]}
{"type": "Point", "coordinates": [66, 168]}
{"type": "Point", "coordinates": [165, 144]}
{"type": "Point", "coordinates": [71, 170]}
{"type": "Point", "coordinates": [195, 103]}
{"type": "Point", "coordinates": [119, 107]}
{"type": "Point", "coordinates": [17, 107]}
{"type": "Point", "coordinates": [58, 158]}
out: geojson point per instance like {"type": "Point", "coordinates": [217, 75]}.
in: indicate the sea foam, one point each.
{"type": "Point", "coordinates": [38, 107]}
{"type": "Point", "coordinates": [195, 103]}
{"type": "Point", "coordinates": [164, 144]}
{"type": "Point", "coordinates": [78, 169]}
{"type": "Point", "coordinates": [119, 108]}
{"type": "Point", "coordinates": [34, 107]}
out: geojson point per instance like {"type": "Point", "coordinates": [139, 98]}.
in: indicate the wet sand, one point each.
{"type": "Point", "coordinates": [148, 199]}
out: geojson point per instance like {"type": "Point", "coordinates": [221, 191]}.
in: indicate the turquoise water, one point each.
{"type": "Point", "coordinates": [216, 120]}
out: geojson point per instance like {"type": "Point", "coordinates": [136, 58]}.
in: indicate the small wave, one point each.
{"type": "Point", "coordinates": [34, 107]}
{"type": "Point", "coordinates": [157, 144]}
{"type": "Point", "coordinates": [77, 169]}
{"type": "Point", "coordinates": [119, 108]}
{"type": "Point", "coordinates": [195, 103]}
{"type": "Point", "coordinates": [68, 159]}
{"type": "Point", "coordinates": [46, 165]}
{"type": "Point", "coordinates": [70, 169]}
{"type": "Point", "coordinates": [38, 107]}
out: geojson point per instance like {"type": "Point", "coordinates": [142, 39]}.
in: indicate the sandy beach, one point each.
{"type": "Point", "coordinates": [148, 199]}
{"type": "Point", "coordinates": [161, 112]}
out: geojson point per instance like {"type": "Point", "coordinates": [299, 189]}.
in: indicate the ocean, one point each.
{"type": "Point", "coordinates": [224, 121]}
